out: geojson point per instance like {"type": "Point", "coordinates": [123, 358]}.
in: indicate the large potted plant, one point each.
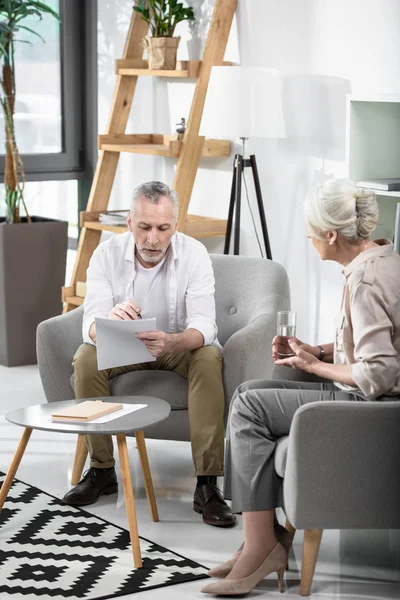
{"type": "Point", "coordinates": [32, 249]}
{"type": "Point", "coordinates": [162, 16]}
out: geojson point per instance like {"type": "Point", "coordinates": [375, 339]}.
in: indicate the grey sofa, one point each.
{"type": "Point", "coordinates": [341, 470]}
{"type": "Point", "coordinates": [249, 292]}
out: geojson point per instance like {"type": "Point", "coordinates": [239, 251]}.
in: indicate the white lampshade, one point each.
{"type": "Point", "coordinates": [243, 102]}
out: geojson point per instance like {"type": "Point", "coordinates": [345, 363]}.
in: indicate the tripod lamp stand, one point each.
{"type": "Point", "coordinates": [243, 102]}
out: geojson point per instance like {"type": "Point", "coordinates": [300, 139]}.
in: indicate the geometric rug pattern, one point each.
{"type": "Point", "coordinates": [52, 551]}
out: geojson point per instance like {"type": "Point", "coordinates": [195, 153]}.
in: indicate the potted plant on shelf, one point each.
{"type": "Point", "coordinates": [32, 249]}
{"type": "Point", "coordinates": [162, 17]}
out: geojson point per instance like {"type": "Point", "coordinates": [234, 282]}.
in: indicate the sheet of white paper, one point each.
{"type": "Point", "coordinates": [127, 408]}
{"type": "Point", "coordinates": [117, 344]}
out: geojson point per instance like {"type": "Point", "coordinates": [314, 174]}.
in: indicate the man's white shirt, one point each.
{"type": "Point", "coordinates": [151, 294]}
{"type": "Point", "coordinates": [189, 284]}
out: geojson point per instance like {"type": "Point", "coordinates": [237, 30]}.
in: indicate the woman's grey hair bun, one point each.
{"type": "Point", "coordinates": [367, 211]}
{"type": "Point", "coordinates": [338, 204]}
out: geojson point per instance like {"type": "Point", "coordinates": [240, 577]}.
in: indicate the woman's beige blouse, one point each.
{"type": "Point", "coordinates": [367, 333]}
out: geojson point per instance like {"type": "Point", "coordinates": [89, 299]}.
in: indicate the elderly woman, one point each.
{"type": "Point", "coordinates": [362, 364]}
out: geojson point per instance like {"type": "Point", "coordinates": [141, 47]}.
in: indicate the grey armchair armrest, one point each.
{"type": "Point", "coordinates": [57, 340]}
{"type": "Point", "coordinates": [343, 466]}
{"type": "Point", "coordinates": [253, 340]}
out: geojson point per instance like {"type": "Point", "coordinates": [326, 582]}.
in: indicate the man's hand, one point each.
{"type": "Point", "coordinates": [157, 342]}
{"type": "Point", "coordinates": [126, 311]}
{"type": "Point", "coordinates": [302, 359]}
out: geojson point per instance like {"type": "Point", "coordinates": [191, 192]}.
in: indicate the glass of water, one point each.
{"type": "Point", "coordinates": [286, 328]}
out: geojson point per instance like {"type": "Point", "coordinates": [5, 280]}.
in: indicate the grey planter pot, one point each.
{"type": "Point", "coordinates": [32, 272]}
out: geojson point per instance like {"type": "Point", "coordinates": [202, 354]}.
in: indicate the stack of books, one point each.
{"type": "Point", "coordinates": [113, 217]}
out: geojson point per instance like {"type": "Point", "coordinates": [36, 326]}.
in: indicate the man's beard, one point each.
{"type": "Point", "coordinates": [152, 257]}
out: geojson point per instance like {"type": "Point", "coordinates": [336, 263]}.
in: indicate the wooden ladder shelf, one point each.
{"type": "Point", "coordinates": [188, 152]}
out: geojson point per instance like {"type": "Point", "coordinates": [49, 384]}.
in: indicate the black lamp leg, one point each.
{"type": "Point", "coordinates": [239, 175]}
{"type": "Point", "coordinates": [231, 209]}
{"type": "Point", "coordinates": [260, 206]}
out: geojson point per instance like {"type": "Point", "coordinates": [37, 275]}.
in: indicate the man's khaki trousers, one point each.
{"type": "Point", "coordinates": [203, 370]}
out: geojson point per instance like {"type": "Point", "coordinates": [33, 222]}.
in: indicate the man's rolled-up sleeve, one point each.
{"type": "Point", "coordinates": [99, 300]}
{"type": "Point", "coordinates": [200, 298]}
{"type": "Point", "coordinates": [376, 365]}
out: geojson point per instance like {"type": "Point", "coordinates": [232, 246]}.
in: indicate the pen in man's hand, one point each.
{"type": "Point", "coordinates": [139, 316]}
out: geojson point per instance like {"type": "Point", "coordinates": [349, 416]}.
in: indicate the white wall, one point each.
{"type": "Point", "coordinates": [323, 49]}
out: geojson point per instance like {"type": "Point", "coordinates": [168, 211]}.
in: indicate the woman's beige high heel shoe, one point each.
{"type": "Point", "coordinates": [223, 570]}
{"type": "Point", "coordinates": [283, 537]}
{"type": "Point", "coordinates": [275, 562]}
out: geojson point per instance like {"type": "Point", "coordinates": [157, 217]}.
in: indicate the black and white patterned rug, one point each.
{"type": "Point", "coordinates": [52, 551]}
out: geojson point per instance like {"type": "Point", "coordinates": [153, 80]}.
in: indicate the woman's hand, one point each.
{"type": "Point", "coordinates": [279, 347]}
{"type": "Point", "coordinates": [303, 358]}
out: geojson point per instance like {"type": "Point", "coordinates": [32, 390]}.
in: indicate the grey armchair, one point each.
{"type": "Point", "coordinates": [341, 470]}
{"type": "Point", "coordinates": [249, 292]}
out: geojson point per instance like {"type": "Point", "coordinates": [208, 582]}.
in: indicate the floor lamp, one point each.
{"type": "Point", "coordinates": [243, 102]}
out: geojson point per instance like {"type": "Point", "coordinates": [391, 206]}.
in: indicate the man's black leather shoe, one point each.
{"type": "Point", "coordinates": [208, 501]}
{"type": "Point", "coordinates": [94, 483]}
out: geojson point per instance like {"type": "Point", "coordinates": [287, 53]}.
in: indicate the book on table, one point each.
{"type": "Point", "coordinates": [86, 411]}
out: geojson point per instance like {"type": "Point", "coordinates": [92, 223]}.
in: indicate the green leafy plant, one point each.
{"type": "Point", "coordinates": [12, 13]}
{"type": "Point", "coordinates": [163, 15]}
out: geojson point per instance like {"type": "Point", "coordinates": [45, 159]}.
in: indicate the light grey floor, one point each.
{"type": "Point", "coordinates": [361, 565]}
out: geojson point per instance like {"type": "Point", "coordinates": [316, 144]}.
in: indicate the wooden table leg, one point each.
{"type": "Point", "coordinates": [81, 453]}
{"type": "Point", "coordinates": [129, 499]}
{"type": "Point", "coordinates": [148, 482]}
{"type": "Point", "coordinates": [5, 488]}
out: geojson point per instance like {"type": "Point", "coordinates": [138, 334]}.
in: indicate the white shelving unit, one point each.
{"type": "Point", "coordinates": [373, 149]}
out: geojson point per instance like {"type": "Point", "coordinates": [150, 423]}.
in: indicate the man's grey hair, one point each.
{"type": "Point", "coordinates": [153, 191]}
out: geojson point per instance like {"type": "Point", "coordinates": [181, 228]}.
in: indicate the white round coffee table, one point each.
{"type": "Point", "coordinates": [39, 417]}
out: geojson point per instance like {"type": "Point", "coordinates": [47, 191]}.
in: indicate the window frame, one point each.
{"type": "Point", "coordinates": [75, 45]}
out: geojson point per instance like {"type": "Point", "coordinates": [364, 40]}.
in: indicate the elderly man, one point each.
{"type": "Point", "coordinates": [155, 271]}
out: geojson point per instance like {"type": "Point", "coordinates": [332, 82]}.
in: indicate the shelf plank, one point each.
{"type": "Point", "coordinates": [80, 289]}
{"type": "Point", "coordinates": [395, 194]}
{"type": "Point", "coordinates": [154, 149]}
{"type": "Point", "coordinates": [216, 148]}
{"type": "Point", "coordinates": [123, 138]}
{"type": "Point", "coordinates": [196, 226]}
{"type": "Point", "coordinates": [105, 227]}
{"type": "Point", "coordinates": [204, 227]}
{"type": "Point", "coordinates": [74, 293]}
{"type": "Point", "coordinates": [185, 69]}
{"type": "Point", "coordinates": [75, 300]}
{"type": "Point", "coordinates": [159, 145]}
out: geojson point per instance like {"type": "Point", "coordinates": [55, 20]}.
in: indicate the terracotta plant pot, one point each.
{"type": "Point", "coordinates": [161, 52]}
